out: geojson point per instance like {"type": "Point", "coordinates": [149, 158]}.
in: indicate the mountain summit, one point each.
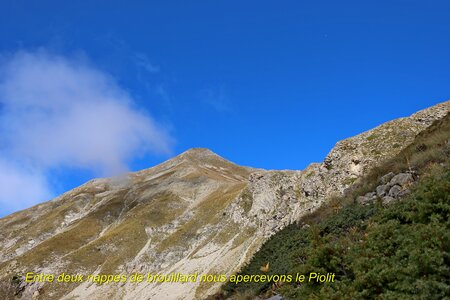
{"type": "Point", "coordinates": [196, 213]}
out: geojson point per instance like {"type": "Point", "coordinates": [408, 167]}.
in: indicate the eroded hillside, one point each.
{"type": "Point", "coordinates": [194, 213]}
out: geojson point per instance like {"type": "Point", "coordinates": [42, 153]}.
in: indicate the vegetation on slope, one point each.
{"type": "Point", "coordinates": [397, 252]}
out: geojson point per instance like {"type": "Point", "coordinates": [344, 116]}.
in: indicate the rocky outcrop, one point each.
{"type": "Point", "coordinates": [194, 213]}
{"type": "Point", "coordinates": [393, 187]}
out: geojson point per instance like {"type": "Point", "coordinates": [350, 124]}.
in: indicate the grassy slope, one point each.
{"type": "Point", "coordinates": [396, 252]}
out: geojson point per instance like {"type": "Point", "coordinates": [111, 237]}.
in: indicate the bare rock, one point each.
{"type": "Point", "coordinates": [382, 190]}
{"type": "Point", "coordinates": [371, 195]}
{"type": "Point", "coordinates": [35, 295]}
{"type": "Point", "coordinates": [395, 191]}
{"type": "Point", "coordinates": [402, 179]}
{"type": "Point", "coordinates": [363, 199]}
{"type": "Point", "coordinates": [404, 193]}
{"type": "Point", "coordinates": [386, 178]}
{"type": "Point", "coordinates": [388, 200]}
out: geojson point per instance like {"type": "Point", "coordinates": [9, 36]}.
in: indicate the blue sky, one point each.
{"type": "Point", "coordinates": [270, 84]}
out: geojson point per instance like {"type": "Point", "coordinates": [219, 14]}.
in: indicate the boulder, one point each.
{"type": "Point", "coordinates": [402, 179]}
{"type": "Point", "coordinates": [404, 192]}
{"type": "Point", "coordinates": [395, 191]}
{"type": "Point", "coordinates": [363, 199]}
{"type": "Point", "coordinates": [371, 196]}
{"type": "Point", "coordinates": [386, 178]}
{"type": "Point", "coordinates": [383, 190]}
{"type": "Point", "coordinates": [388, 200]}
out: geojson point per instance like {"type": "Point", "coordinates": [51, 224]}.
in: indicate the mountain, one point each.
{"type": "Point", "coordinates": [196, 213]}
{"type": "Point", "coordinates": [386, 237]}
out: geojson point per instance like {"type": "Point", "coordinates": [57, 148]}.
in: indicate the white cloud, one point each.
{"type": "Point", "coordinates": [58, 113]}
{"type": "Point", "coordinates": [21, 187]}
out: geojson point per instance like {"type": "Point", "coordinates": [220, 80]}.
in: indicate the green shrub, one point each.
{"type": "Point", "coordinates": [399, 252]}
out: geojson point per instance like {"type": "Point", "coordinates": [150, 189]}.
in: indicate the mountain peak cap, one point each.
{"type": "Point", "coordinates": [199, 151]}
{"type": "Point", "coordinates": [197, 155]}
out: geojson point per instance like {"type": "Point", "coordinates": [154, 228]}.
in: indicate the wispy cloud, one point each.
{"type": "Point", "coordinates": [60, 113]}
{"type": "Point", "coordinates": [143, 61]}
{"type": "Point", "coordinates": [162, 92]}
{"type": "Point", "coordinates": [217, 99]}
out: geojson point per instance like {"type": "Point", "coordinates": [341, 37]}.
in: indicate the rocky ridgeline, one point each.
{"type": "Point", "coordinates": [194, 213]}
{"type": "Point", "coordinates": [281, 197]}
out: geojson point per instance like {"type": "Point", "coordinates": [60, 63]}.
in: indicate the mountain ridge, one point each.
{"type": "Point", "coordinates": [196, 212]}
{"type": "Point", "coordinates": [348, 237]}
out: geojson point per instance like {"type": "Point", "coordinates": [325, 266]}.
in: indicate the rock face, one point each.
{"type": "Point", "coordinates": [194, 213]}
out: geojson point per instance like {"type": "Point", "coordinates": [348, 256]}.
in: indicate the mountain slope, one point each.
{"type": "Point", "coordinates": [194, 213]}
{"type": "Point", "coordinates": [377, 249]}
